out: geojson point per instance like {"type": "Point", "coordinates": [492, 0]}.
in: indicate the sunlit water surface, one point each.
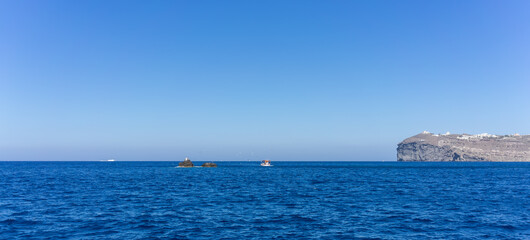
{"type": "Point", "coordinates": [292, 200]}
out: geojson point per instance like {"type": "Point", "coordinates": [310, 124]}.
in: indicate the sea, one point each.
{"type": "Point", "coordinates": [241, 200]}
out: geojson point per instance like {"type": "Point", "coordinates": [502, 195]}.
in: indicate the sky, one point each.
{"type": "Point", "coordinates": [253, 80]}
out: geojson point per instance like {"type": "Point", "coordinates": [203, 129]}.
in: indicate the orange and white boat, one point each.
{"type": "Point", "coordinates": [266, 163]}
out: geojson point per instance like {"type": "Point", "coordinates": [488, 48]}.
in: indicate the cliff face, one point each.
{"type": "Point", "coordinates": [428, 147]}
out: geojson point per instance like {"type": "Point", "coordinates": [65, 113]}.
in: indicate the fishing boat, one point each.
{"type": "Point", "coordinates": [266, 163]}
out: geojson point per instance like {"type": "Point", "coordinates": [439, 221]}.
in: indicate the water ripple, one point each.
{"type": "Point", "coordinates": [292, 200]}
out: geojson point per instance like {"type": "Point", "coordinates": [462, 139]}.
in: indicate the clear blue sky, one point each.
{"type": "Point", "coordinates": [238, 80]}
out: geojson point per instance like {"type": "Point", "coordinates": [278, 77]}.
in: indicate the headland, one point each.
{"type": "Point", "coordinates": [428, 147]}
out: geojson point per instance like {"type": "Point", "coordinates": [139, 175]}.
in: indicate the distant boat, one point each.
{"type": "Point", "coordinates": [109, 160]}
{"type": "Point", "coordinates": [266, 163]}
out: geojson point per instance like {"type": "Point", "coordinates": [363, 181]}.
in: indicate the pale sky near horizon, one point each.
{"type": "Point", "coordinates": [250, 80]}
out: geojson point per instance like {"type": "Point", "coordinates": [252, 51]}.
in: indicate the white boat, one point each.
{"type": "Point", "coordinates": [266, 163]}
{"type": "Point", "coordinates": [111, 160]}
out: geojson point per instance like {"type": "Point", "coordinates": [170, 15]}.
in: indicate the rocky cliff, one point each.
{"type": "Point", "coordinates": [428, 147]}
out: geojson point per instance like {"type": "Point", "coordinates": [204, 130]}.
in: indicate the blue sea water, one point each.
{"type": "Point", "coordinates": [292, 200]}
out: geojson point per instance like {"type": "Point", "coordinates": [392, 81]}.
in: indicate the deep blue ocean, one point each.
{"type": "Point", "coordinates": [241, 200]}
